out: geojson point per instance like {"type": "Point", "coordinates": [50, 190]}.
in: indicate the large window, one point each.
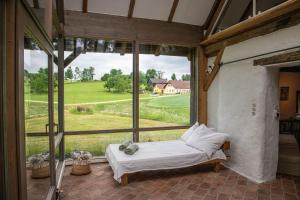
{"type": "Point", "coordinates": [99, 92]}
{"type": "Point", "coordinates": [98, 86]}
{"type": "Point", "coordinates": [165, 85]}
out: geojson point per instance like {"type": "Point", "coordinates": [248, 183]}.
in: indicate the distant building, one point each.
{"type": "Point", "coordinates": [172, 87]}
{"type": "Point", "coordinates": [159, 88]}
{"type": "Point", "coordinates": [153, 81]}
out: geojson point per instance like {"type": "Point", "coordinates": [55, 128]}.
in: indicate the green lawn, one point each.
{"type": "Point", "coordinates": [104, 113]}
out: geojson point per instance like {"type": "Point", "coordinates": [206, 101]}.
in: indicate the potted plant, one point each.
{"type": "Point", "coordinates": [39, 165]}
{"type": "Point", "coordinates": [81, 164]}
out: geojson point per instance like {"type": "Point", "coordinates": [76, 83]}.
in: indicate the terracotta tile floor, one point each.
{"type": "Point", "coordinates": [194, 183]}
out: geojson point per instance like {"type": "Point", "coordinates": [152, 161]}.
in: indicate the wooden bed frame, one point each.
{"type": "Point", "coordinates": [216, 163]}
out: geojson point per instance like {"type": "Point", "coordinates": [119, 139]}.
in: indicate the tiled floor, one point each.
{"type": "Point", "coordinates": [194, 183]}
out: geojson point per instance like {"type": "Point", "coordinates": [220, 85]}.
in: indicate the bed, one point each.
{"type": "Point", "coordinates": [162, 155]}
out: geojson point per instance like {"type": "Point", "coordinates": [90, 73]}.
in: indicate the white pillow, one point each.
{"type": "Point", "coordinates": [203, 130]}
{"type": "Point", "coordinates": [189, 132]}
{"type": "Point", "coordinates": [208, 143]}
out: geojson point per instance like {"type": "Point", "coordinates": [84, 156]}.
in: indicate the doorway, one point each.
{"type": "Point", "coordinates": [289, 136]}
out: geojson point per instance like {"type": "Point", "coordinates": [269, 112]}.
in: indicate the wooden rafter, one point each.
{"type": "Point", "coordinates": [258, 20]}
{"type": "Point", "coordinates": [277, 59]}
{"type": "Point", "coordinates": [215, 70]}
{"type": "Point", "coordinates": [131, 8]}
{"type": "Point", "coordinates": [173, 9]}
{"type": "Point", "coordinates": [211, 13]}
{"type": "Point", "coordinates": [216, 16]}
{"type": "Point", "coordinates": [36, 4]}
{"type": "Point", "coordinates": [285, 21]}
{"type": "Point", "coordinates": [85, 6]}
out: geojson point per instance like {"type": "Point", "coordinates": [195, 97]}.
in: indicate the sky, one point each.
{"type": "Point", "coordinates": [104, 62]}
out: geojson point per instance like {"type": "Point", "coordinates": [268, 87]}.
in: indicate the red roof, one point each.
{"type": "Point", "coordinates": [179, 84]}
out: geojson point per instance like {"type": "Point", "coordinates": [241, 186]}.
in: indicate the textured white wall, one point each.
{"type": "Point", "coordinates": [242, 102]}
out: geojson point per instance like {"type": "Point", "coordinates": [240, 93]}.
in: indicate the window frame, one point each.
{"type": "Point", "coordinates": [135, 129]}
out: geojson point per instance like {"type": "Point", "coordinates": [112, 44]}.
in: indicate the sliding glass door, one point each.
{"type": "Point", "coordinates": [36, 111]}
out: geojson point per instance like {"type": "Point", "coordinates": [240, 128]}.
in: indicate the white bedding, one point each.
{"type": "Point", "coordinates": [156, 156]}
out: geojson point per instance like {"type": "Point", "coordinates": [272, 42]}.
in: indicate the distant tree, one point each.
{"type": "Point", "coordinates": [91, 73]}
{"type": "Point", "coordinates": [39, 81]}
{"type": "Point", "coordinates": [69, 73]}
{"type": "Point", "coordinates": [186, 77]}
{"type": "Point", "coordinates": [114, 72]}
{"type": "Point", "coordinates": [173, 77]}
{"type": "Point", "coordinates": [142, 78]}
{"type": "Point", "coordinates": [151, 73]}
{"type": "Point", "coordinates": [105, 77]}
{"type": "Point", "coordinates": [77, 73]}
{"type": "Point", "coordinates": [118, 83]}
{"type": "Point", "coordinates": [85, 75]}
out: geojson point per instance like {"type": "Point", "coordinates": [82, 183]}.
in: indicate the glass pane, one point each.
{"type": "Point", "coordinates": [165, 86]}
{"type": "Point", "coordinates": [36, 117]}
{"type": "Point", "coordinates": [96, 144]}
{"type": "Point", "coordinates": [98, 85]}
{"type": "Point", "coordinates": [152, 136]}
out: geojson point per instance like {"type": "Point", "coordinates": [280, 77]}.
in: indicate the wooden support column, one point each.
{"type": "Point", "coordinates": [61, 94]}
{"type": "Point", "coordinates": [202, 94]}
{"type": "Point", "coordinates": [135, 91]}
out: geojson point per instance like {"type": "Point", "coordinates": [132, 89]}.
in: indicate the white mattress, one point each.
{"type": "Point", "coordinates": [156, 156]}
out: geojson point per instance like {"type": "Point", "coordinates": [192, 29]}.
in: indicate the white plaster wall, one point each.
{"type": "Point", "coordinates": [241, 102]}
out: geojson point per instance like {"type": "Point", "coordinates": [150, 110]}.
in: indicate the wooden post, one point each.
{"type": "Point", "coordinates": [202, 94]}
{"type": "Point", "coordinates": [135, 92]}
{"type": "Point", "coordinates": [217, 166]}
{"type": "Point", "coordinates": [124, 180]}
{"type": "Point", "coordinates": [61, 95]}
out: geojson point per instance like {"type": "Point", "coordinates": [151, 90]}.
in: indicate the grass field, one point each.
{"type": "Point", "coordinates": [106, 110]}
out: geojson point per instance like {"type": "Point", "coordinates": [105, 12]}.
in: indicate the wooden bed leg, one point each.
{"type": "Point", "coordinates": [216, 166]}
{"type": "Point", "coordinates": [124, 180]}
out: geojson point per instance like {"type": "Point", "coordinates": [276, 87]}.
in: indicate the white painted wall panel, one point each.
{"type": "Point", "coordinates": [237, 89]}
{"type": "Point", "coordinates": [193, 11]}
{"type": "Point", "coordinates": [153, 9]}
{"type": "Point", "coordinates": [110, 7]}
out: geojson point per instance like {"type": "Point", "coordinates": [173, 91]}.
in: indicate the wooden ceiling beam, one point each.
{"type": "Point", "coordinates": [85, 6]}
{"type": "Point", "coordinates": [131, 8]}
{"type": "Point", "coordinates": [94, 25]}
{"type": "Point", "coordinates": [36, 4]}
{"type": "Point", "coordinates": [254, 22]}
{"type": "Point", "coordinates": [277, 59]}
{"type": "Point", "coordinates": [173, 9]}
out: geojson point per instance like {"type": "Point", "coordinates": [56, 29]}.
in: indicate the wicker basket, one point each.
{"type": "Point", "coordinates": [41, 172]}
{"type": "Point", "coordinates": [79, 170]}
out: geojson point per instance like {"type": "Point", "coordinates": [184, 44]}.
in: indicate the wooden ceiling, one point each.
{"type": "Point", "coordinates": [193, 12]}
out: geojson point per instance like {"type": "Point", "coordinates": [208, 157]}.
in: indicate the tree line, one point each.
{"type": "Point", "coordinates": [87, 74]}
